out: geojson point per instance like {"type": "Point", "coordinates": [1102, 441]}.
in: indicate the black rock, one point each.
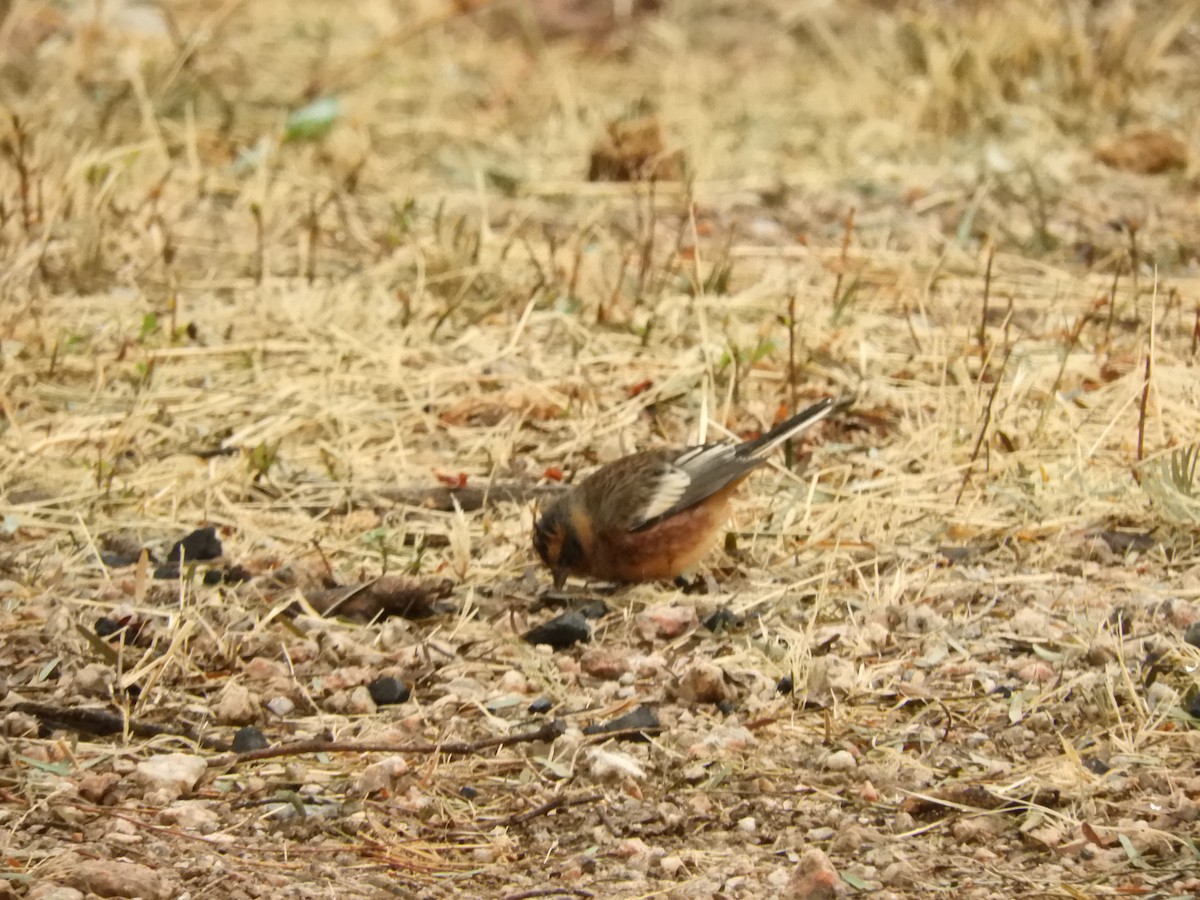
{"type": "Point", "coordinates": [727, 707]}
{"type": "Point", "coordinates": [786, 685]}
{"type": "Point", "coordinates": [468, 792]}
{"type": "Point", "coordinates": [202, 543]}
{"type": "Point", "coordinates": [237, 575]}
{"type": "Point", "coordinates": [1191, 705]}
{"type": "Point", "coordinates": [119, 560]}
{"type": "Point", "coordinates": [593, 609]}
{"type": "Point", "coordinates": [561, 632]}
{"type": "Point", "coordinates": [541, 706]}
{"type": "Point", "coordinates": [167, 572]}
{"type": "Point", "coordinates": [1191, 634]}
{"type": "Point", "coordinates": [387, 690]}
{"type": "Point", "coordinates": [128, 628]}
{"type": "Point", "coordinates": [106, 627]}
{"type": "Point", "coordinates": [1096, 766]}
{"type": "Point", "coordinates": [722, 619]}
{"type": "Point", "coordinates": [633, 726]}
{"type": "Point", "coordinates": [227, 575]}
{"type": "Point", "coordinates": [249, 738]}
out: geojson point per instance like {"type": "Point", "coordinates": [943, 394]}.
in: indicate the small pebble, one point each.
{"type": "Point", "coordinates": [666, 622]}
{"type": "Point", "coordinates": [722, 619]}
{"type": "Point", "coordinates": [387, 690]}
{"type": "Point", "coordinates": [249, 738]}
{"type": "Point", "coordinates": [1191, 634]}
{"type": "Point", "coordinates": [639, 723]}
{"type": "Point", "coordinates": [841, 761]}
{"type": "Point", "coordinates": [561, 632]}
{"type": "Point", "coordinates": [281, 706]}
{"type": "Point", "coordinates": [541, 706]}
{"type": "Point", "coordinates": [202, 543]}
{"type": "Point", "coordinates": [671, 865]}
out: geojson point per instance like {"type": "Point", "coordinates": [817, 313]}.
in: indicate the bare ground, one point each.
{"type": "Point", "coordinates": [956, 657]}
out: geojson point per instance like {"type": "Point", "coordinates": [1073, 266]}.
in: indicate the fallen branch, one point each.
{"type": "Point", "coordinates": [546, 732]}
{"type": "Point", "coordinates": [548, 807]}
{"type": "Point", "coordinates": [549, 892]}
{"type": "Point", "coordinates": [102, 723]}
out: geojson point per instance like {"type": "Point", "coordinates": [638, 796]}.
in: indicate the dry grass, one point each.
{"type": "Point", "coordinates": [979, 583]}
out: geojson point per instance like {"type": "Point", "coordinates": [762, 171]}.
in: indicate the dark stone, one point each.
{"type": "Point", "coordinates": [722, 619]}
{"type": "Point", "coordinates": [388, 690]}
{"type": "Point", "coordinates": [202, 543]}
{"type": "Point", "coordinates": [249, 738]}
{"type": "Point", "coordinates": [1191, 634]}
{"type": "Point", "coordinates": [593, 609]}
{"type": "Point", "coordinates": [541, 706]}
{"type": "Point", "coordinates": [633, 726]}
{"type": "Point", "coordinates": [561, 632]}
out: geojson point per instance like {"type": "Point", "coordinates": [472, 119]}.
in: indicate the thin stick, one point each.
{"type": "Point", "coordinates": [1141, 445]}
{"type": "Point", "coordinates": [547, 807]}
{"type": "Point", "coordinates": [987, 293]}
{"type": "Point", "coordinates": [788, 450]}
{"type": "Point", "coordinates": [1112, 302]}
{"type": "Point", "coordinates": [547, 732]}
{"type": "Point", "coordinates": [987, 420]}
{"type": "Point", "coordinates": [1072, 343]}
{"type": "Point", "coordinates": [846, 233]}
{"type": "Point", "coordinates": [549, 892]}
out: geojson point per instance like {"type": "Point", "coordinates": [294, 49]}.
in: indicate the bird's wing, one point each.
{"type": "Point", "coordinates": [681, 481]}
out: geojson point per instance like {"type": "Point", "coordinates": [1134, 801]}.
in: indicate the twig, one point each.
{"type": "Point", "coordinates": [987, 293]}
{"type": "Point", "coordinates": [101, 723]}
{"type": "Point", "coordinates": [549, 892]}
{"type": "Point", "coordinates": [1072, 343]}
{"type": "Point", "coordinates": [546, 732]}
{"type": "Point", "coordinates": [846, 234]}
{"type": "Point", "coordinates": [987, 420]}
{"type": "Point", "coordinates": [1141, 444]}
{"type": "Point", "coordinates": [1196, 331]}
{"type": "Point", "coordinates": [648, 240]}
{"type": "Point", "coordinates": [549, 806]}
{"type": "Point", "coordinates": [1112, 302]}
{"type": "Point", "coordinates": [788, 448]}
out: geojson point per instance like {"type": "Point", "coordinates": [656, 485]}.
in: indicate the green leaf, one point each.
{"type": "Point", "coordinates": [313, 121]}
{"type": "Point", "coordinates": [854, 881]}
{"type": "Point", "coordinates": [1131, 851]}
{"type": "Point", "coordinates": [149, 326]}
{"type": "Point", "coordinates": [53, 768]}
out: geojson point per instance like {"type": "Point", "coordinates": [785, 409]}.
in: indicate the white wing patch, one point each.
{"type": "Point", "coordinates": [695, 460]}
{"type": "Point", "coordinates": [677, 477]}
{"type": "Point", "coordinates": [670, 485]}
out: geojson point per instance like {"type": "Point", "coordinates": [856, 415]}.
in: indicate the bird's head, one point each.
{"type": "Point", "coordinates": [557, 542]}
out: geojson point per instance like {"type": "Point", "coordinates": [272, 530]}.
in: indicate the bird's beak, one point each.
{"type": "Point", "coordinates": [560, 578]}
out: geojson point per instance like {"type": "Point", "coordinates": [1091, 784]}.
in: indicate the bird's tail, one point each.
{"type": "Point", "coordinates": [802, 421]}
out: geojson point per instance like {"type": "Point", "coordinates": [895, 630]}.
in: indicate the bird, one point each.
{"type": "Point", "coordinates": [653, 515]}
